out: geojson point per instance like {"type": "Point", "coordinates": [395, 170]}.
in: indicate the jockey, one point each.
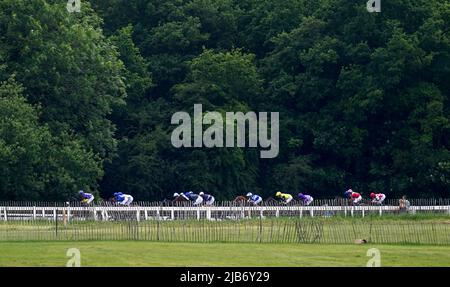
{"type": "Point", "coordinates": [254, 198]}
{"type": "Point", "coordinates": [86, 197]}
{"type": "Point", "coordinates": [354, 196]}
{"type": "Point", "coordinates": [124, 199]}
{"type": "Point", "coordinates": [306, 199]}
{"type": "Point", "coordinates": [180, 194]}
{"type": "Point", "coordinates": [195, 198]}
{"type": "Point", "coordinates": [285, 197]}
{"type": "Point", "coordinates": [377, 198]}
{"type": "Point", "coordinates": [207, 198]}
{"type": "Point", "coordinates": [348, 193]}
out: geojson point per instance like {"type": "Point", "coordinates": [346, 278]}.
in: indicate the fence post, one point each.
{"type": "Point", "coordinates": [54, 213]}
{"type": "Point", "coordinates": [381, 210]}
{"type": "Point", "coordinates": [208, 213]}
{"type": "Point", "coordinates": [277, 213]}
{"type": "Point", "coordinates": [95, 213]}
{"type": "Point", "coordinates": [311, 212]}
{"type": "Point", "coordinates": [198, 213]}
{"type": "Point", "coordinates": [5, 214]}
{"type": "Point", "coordinates": [172, 213]}
{"type": "Point", "coordinates": [34, 212]}
{"type": "Point", "coordinates": [138, 215]}
{"type": "Point", "coordinates": [363, 212]}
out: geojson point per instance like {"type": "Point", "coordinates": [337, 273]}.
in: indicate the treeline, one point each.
{"type": "Point", "coordinates": [86, 98]}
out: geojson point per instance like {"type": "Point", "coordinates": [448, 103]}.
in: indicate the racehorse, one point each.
{"type": "Point", "coordinates": [180, 201]}
{"type": "Point", "coordinates": [241, 200]}
{"type": "Point", "coordinates": [363, 202]}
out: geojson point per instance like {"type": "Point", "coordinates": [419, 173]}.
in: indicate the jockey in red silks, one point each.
{"type": "Point", "coordinates": [377, 198]}
{"type": "Point", "coordinates": [354, 196]}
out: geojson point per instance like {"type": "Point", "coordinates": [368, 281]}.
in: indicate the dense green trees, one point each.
{"type": "Point", "coordinates": [72, 72]}
{"type": "Point", "coordinates": [66, 65]}
{"type": "Point", "coordinates": [86, 98]}
{"type": "Point", "coordinates": [34, 163]}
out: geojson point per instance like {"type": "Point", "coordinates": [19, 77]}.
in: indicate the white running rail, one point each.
{"type": "Point", "coordinates": [211, 213]}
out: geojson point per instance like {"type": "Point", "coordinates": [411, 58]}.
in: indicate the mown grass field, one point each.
{"type": "Point", "coordinates": [132, 253]}
{"type": "Point", "coordinates": [423, 229]}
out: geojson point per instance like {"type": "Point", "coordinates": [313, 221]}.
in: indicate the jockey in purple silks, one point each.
{"type": "Point", "coordinates": [86, 197]}
{"type": "Point", "coordinates": [305, 198]}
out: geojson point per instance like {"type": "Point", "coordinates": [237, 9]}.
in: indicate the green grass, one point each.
{"type": "Point", "coordinates": [415, 230]}
{"type": "Point", "coordinates": [131, 253]}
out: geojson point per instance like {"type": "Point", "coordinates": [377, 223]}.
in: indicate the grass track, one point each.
{"type": "Point", "coordinates": [407, 230]}
{"type": "Point", "coordinates": [129, 253]}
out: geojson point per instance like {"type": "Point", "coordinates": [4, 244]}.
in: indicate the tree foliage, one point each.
{"type": "Point", "coordinates": [363, 97]}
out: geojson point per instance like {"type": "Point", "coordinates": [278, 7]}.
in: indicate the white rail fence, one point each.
{"type": "Point", "coordinates": [140, 213]}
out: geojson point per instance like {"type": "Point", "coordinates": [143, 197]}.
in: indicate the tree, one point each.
{"type": "Point", "coordinates": [67, 66]}
{"type": "Point", "coordinates": [35, 165]}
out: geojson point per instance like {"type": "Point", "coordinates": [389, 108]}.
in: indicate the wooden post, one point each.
{"type": "Point", "coordinates": [172, 213]}
{"type": "Point", "coordinates": [34, 212]}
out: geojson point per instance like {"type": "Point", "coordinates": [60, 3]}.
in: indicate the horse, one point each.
{"type": "Point", "coordinates": [241, 200]}
{"type": "Point", "coordinates": [180, 201]}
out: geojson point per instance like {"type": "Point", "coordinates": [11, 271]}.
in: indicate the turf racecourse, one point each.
{"type": "Point", "coordinates": [130, 253]}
